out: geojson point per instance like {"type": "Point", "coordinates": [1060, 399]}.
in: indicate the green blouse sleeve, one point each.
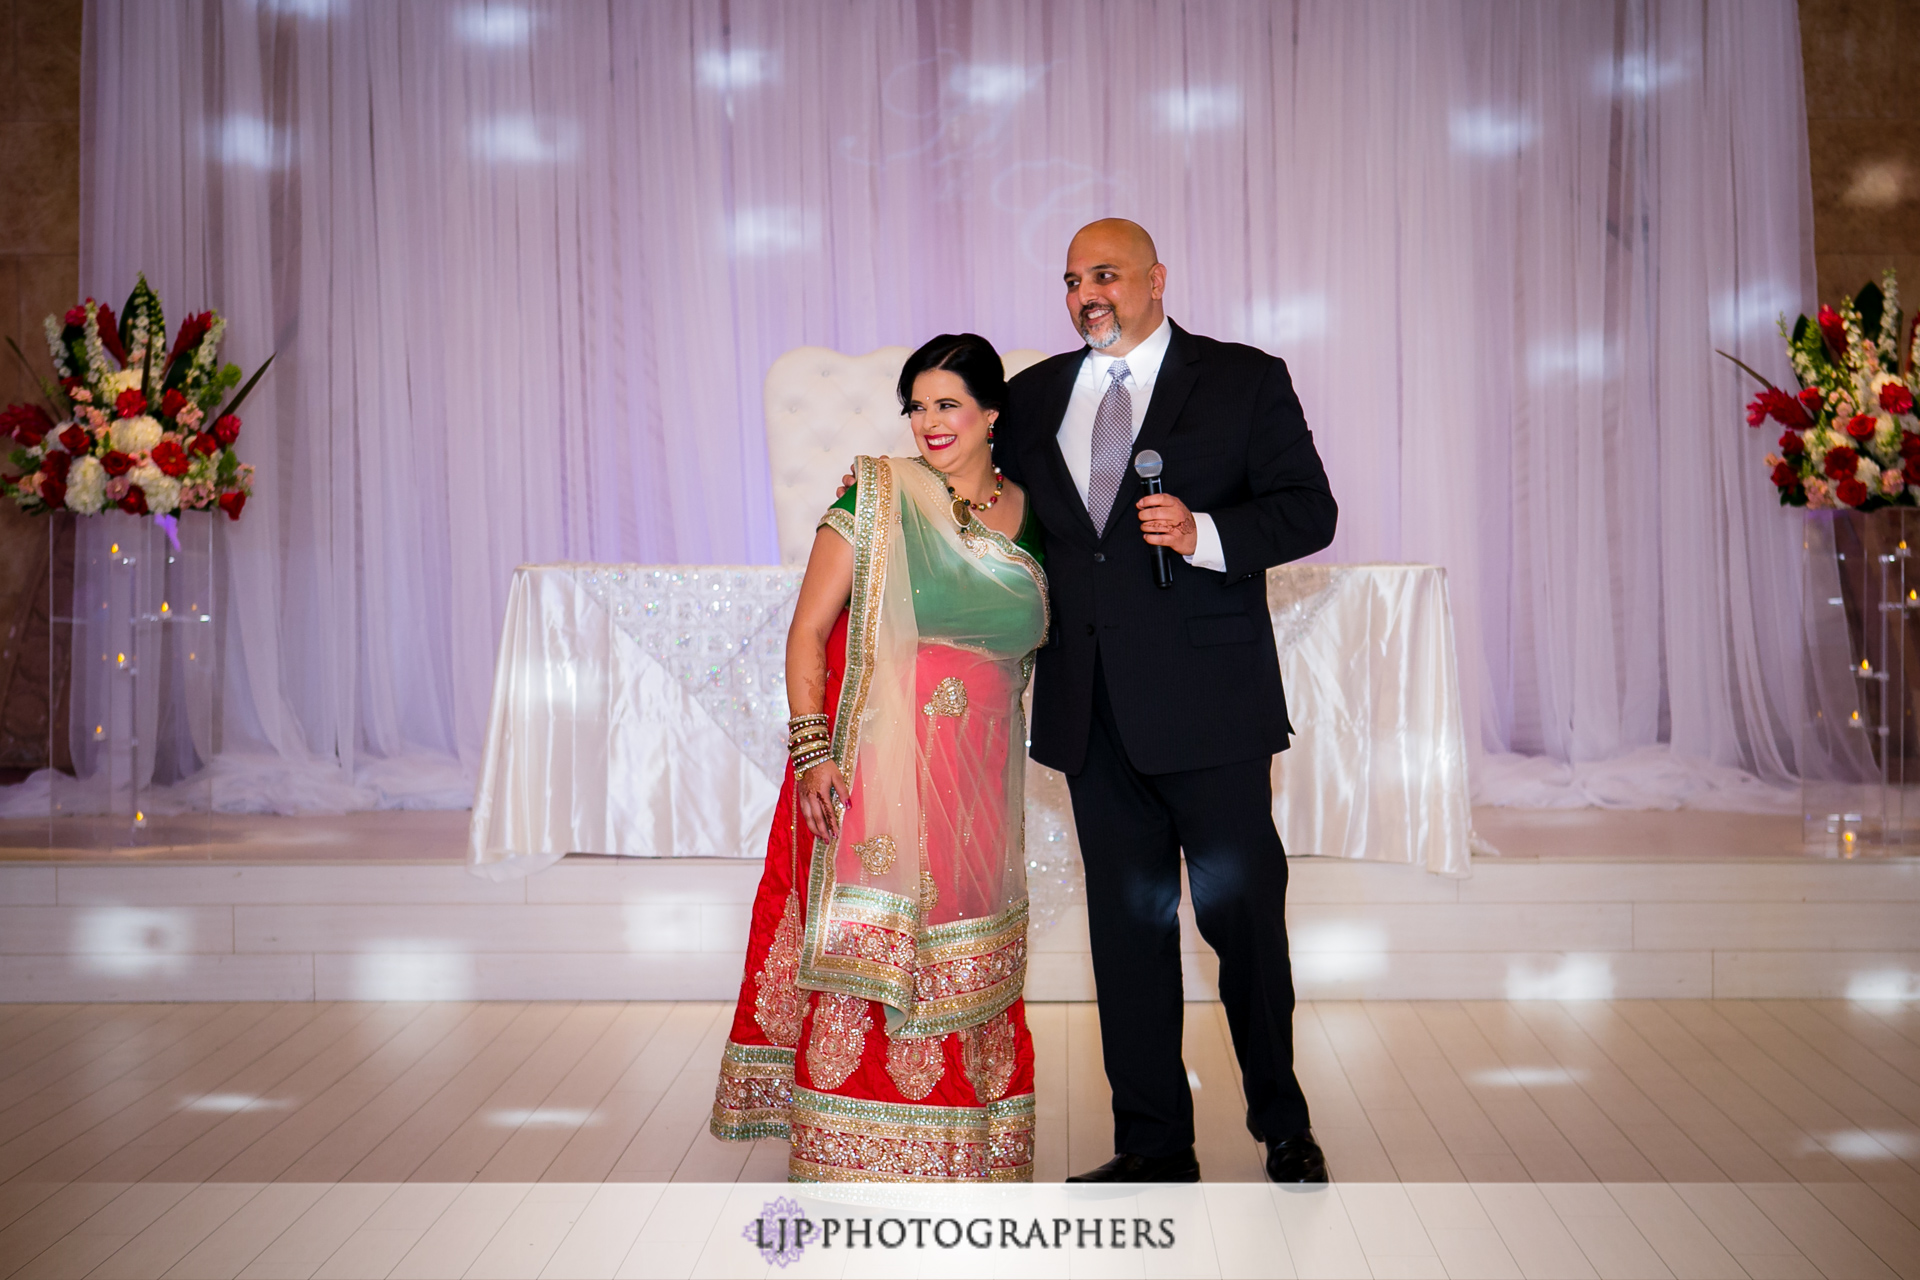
{"type": "Point", "coordinates": [839, 516]}
{"type": "Point", "coordinates": [1028, 539]}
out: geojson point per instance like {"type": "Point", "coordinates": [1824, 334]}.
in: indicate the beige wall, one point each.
{"type": "Point", "coordinates": [39, 273]}
{"type": "Point", "coordinates": [39, 173]}
{"type": "Point", "coordinates": [1863, 133]}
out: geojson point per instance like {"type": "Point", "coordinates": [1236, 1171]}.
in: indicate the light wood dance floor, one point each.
{"type": "Point", "coordinates": [1601, 1138]}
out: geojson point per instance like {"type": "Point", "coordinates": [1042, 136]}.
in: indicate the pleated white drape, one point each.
{"type": "Point", "coordinates": [526, 266]}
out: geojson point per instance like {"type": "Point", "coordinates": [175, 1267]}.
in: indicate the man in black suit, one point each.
{"type": "Point", "coordinates": [1163, 706]}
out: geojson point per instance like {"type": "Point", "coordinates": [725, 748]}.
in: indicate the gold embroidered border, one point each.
{"type": "Point", "coordinates": [755, 1093]}
{"type": "Point", "coordinates": [839, 1139]}
{"type": "Point", "coordinates": [866, 947]}
{"type": "Point", "coordinates": [840, 520]}
{"type": "Point", "coordinates": [967, 972]}
{"type": "Point", "coordinates": [1010, 1139]}
{"type": "Point", "coordinates": [873, 529]}
{"type": "Point", "coordinates": [820, 968]}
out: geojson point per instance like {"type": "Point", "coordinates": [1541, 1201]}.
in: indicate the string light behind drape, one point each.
{"type": "Point", "coordinates": [526, 266]}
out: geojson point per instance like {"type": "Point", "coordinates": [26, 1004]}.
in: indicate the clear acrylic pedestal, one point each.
{"type": "Point", "coordinates": [136, 612]}
{"type": "Point", "coordinates": [1859, 744]}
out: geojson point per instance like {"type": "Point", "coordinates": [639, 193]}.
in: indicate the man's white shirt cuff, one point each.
{"type": "Point", "coordinates": [1207, 551]}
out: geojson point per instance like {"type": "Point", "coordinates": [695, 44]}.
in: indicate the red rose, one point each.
{"type": "Point", "coordinates": [172, 403]}
{"type": "Point", "coordinates": [1861, 426]}
{"type": "Point", "coordinates": [1909, 445]}
{"type": "Point", "coordinates": [231, 503]}
{"type": "Point", "coordinates": [77, 439]}
{"type": "Point", "coordinates": [1834, 330]}
{"type": "Point", "coordinates": [26, 423]}
{"type": "Point", "coordinates": [131, 403]}
{"type": "Point", "coordinates": [1849, 491]}
{"type": "Point", "coordinates": [135, 503]}
{"type": "Point", "coordinates": [1790, 442]}
{"type": "Point", "coordinates": [192, 329]}
{"type": "Point", "coordinates": [1895, 398]}
{"type": "Point", "coordinates": [53, 492]}
{"type": "Point", "coordinates": [77, 316]}
{"type": "Point", "coordinates": [205, 444]}
{"type": "Point", "coordinates": [227, 429]}
{"type": "Point", "coordinates": [55, 464]}
{"type": "Point", "coordinates": [110, 333]}
{"type": "Point", "coordinates": [170, 458]}
{"type": "Point", "coordinates": [118, 463]}
{"type": "Point", "coordinates": [1784, 475]}
{"type": "Point", "coordinates": [1842, 462]}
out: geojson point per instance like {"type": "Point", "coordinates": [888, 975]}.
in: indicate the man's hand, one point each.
{"type": "Point", "coordinates": [1166, 522]}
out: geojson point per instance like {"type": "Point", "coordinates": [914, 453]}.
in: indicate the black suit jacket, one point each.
{"type": "Point", "coordinates": [1192, 671]}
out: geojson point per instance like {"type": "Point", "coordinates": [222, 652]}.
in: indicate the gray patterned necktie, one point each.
{"type": "Point", "coordinates": [1112, 442]}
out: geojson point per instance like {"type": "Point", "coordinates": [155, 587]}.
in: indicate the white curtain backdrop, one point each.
{"type": "Point", "coordinates": [526, 265]}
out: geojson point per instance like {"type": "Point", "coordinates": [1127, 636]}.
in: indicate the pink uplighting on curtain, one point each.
{"type": "Point", "coordinates": [526, 266]}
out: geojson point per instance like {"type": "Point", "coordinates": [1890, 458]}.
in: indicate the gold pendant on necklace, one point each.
{"type": "Point", "coordinates": [962, 511]}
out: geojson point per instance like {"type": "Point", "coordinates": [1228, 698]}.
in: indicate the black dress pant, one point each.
{"type": "Point", "coordinates": [1133, 828]}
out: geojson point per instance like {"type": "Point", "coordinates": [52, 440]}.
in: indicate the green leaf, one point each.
{"type": "Point", "coordinates": [1871, 304]}
{"type": "Point", "coordinates": [143, 301]}
{"type": "Point", "coordinates": [234, 404]}
{"type": "Point", "coordinates": [229, 465]}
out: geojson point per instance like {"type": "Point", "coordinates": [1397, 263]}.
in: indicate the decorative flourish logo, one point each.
{"type": "Point", "coordinates": [780, 1232]}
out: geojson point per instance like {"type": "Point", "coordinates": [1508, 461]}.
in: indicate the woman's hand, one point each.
{"type": "Point", "coordinates": [814, 792]}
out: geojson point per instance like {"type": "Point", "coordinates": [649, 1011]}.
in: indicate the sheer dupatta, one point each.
{"type": "Point", "coordinates": [921, 904]}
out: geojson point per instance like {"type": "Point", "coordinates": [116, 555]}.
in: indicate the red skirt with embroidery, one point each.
{"type": "Point", "coordinates": [819, 1068]}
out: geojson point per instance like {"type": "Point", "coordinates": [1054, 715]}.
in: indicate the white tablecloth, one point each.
{"type": "Point", "coordinates": [641, 710]}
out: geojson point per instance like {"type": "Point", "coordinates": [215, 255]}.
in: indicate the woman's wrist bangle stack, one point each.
{"type": "Point", "coordinates": [809, 741]}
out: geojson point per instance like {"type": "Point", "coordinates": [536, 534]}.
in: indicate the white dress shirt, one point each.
{"type": "Point", "coordinates": [1076, 429]}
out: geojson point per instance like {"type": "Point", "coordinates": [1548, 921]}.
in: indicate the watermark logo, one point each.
{"type": "Point", "coordinates": [780, 1232]}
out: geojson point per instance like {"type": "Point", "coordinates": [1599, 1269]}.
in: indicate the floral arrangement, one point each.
{"type": "Point", "coordinates": [131, 424]}
{"type": "Point", "coordinates": [1849, 438]}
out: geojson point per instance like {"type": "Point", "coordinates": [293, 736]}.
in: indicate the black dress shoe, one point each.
{"type": "Point", "coordinates": [1126, 1168]}
{"type": "Point", "coordinates": [1296, 1159]}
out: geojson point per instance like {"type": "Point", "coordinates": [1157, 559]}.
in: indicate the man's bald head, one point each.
{"type": "Point", "coordinates": [1114, 285]}
{"type": "Point", "coordinates": [1116, 237]}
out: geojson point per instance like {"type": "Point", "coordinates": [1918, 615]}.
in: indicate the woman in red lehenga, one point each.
{"type": "Point", "coordinates": [880, 1025]}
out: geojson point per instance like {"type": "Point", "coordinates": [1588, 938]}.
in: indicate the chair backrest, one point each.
{"type": "Point", "coordinates": [823, 408]}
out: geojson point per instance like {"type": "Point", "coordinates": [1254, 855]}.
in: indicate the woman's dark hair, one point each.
{"type": "Point", "coordinates": [967, 355]}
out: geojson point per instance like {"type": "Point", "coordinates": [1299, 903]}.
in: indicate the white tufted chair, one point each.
{"type": "Point", "coordinates": [823, 408]}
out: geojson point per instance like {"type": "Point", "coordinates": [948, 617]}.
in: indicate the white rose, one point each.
{"type": "Point", "coordinates": [1868, 475]}
{"type": "Point", "coordinates": [124, 380]}
{"type": "Point", "coordinates": [162, 490]}
{"type": "Point", "coordinates": [86, 486]}
{"type": "Point", "coordinates": [135, 435]}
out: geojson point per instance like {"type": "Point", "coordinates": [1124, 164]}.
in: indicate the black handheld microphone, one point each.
{"type": "Point", "coordinates": [1147, 465]}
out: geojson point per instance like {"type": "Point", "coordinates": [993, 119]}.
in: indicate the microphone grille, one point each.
{"type": "Point", "coordinates": [1147, 464]}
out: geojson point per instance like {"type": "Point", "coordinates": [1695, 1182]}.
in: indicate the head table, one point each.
{"type": "Point", "coordinates": [641, 710]}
